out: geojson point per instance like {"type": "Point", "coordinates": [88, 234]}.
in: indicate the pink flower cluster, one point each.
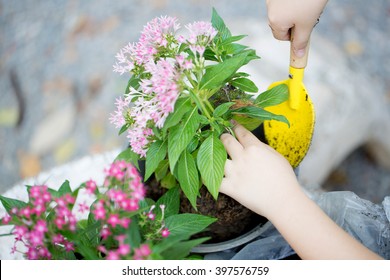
{"type": "Point", "coordinates": [123, 196]}
{"type": "Point", "coordinates": [47, 224]}
{"type": "Point", "coordinates": [201, 35]}
{"type": "Point", "coordinates": [33, 229]}
{"type": "Point", "coordinates": [160, 64]}
{"type": "Point", "coordinates": [156, 35]}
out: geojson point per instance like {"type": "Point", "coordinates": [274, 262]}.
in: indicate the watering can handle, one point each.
{"type": "Point", "coordinates": [298, 62]}
{"type": "Point", "coordinates": [297, 67]}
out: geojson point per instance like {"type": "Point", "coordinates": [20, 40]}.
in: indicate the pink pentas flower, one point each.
{"type": "Point", "coordinates": [201, 33]}
{"type": "Point", "coordinates": [58, 239]}
{"type": "Point", "coordinates": [69, 246]}
{"type": "Point", "coordinates": [61, 202]}
{"type": "Point", "coordinates": [142, 252]}
{"type": "Point", "coordinates": [69, 199]}
{"type": "Point", "coordinates": [151, 216]}
{"type": "Point", "coordinates": [41, 226]}
{"type": "Point", "coordinates": [112, 255]}
{"type": "Point", "coordinates": [14, 210]}
{"type": "Point", "coordinates": [156, 34]}
{"type": "Point", "coordinates": [123, 249]}
{"type": "Point", "coordinates": [125, 222]}
{"type": "Point", "coordinates": [165, 232]}
{"type": "Point", "coordinates": [35, 191]}
{"type": "Point", "coordinates": [26, 212]}
{"type": "Point", "coordinates": [6, 219]}
{"type": "Point", "coordinates": [113, 220]}
{"type": "Point", "coordinates": [118, 117]}
{"type": "Point", "coordinates": [99, 212]}
{"type": "Point", "coordinates": [59, 222]}
{"type": "Point", "coordinates": [20, 231]}
{"type": "Point", "coordinates": [32, 253]}
{"type": "Point", "coordinates": [124, 62]}
{"type": "Point", "coordinates": [39, 209]}
{"type": "Point", "coordinates": [90, 186]}
{"type": "Point", "coordinates": [35, 238]}
{"type": "Point", "coordinates": [44, 253]}
{"type": "Point", "coordinates": [105, 233]}
{"type": "Point", "coordinates": [83, 207]}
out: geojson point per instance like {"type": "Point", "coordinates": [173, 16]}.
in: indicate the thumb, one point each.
{"type": "Point", "coordinates": [300, 40]}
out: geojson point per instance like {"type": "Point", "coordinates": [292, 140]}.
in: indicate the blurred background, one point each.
{"type": "Point", "coordinates": [57, 87]}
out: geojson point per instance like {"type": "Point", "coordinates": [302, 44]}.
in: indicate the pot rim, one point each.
{"type": "Point", "coordinates": [233, 243]}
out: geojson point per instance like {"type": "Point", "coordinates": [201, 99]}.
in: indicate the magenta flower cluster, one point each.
{"type": "Point", "coordinates": [165, 72]}
{"type": "Point", "coordinates": [47, 225]}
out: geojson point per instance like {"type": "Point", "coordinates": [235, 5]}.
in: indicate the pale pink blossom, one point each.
{"type": "Point", "coordinates": [201, 33]}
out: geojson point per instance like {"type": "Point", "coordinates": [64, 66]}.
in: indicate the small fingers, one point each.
{"type": "Point", "coordinates": [245, 137]}
{"type": "Point", "coordinates": [232, 146]}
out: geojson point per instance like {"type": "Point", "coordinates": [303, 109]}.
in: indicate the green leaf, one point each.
{"type": "Point", "coordinates": [123, 128]}
{"type": "Point", "coordinates": [220, 25]}
{"type": "Point", "coordinates": [216, 75]}
{"type": "Point", "coordinates": [181, 135]}
{"type": "Point", "coordinates": [155, 154]}
{"type": "Point", "coordinates": [161, 170]}
{"type": "Point", "coordinates": [182, 249]}
{"type": "Point", "coordinates": [88, 252]}
{"type": "Point", "coordinates": [273, 96]}
{"type": "Point", "coordinates": [182, 106]}
{"type": "Point", "coordinates": [171, 200]}
{"type": "Point", "coordinates": [133, 82]}
{"type": "Point", "coordinates": [235, 48]}
{"type": "Point", "coordinates": [10, 203]}
{"type": "Point", "coordinates": [241, 75]}
{"type": "Point", "coordinates": [187, 224]}
{"type": "Point", "coordinates": [65, 188]}
{"type": "Point", "coordinates": [211, 163]}
{"type": "Point", "coordinates": [168, 243]}
{"type": "Point", "coordinates": [259, 113]}
{"type": "Point", "coordinates": [188, 177]}
{"type": "Point", "coordinates": [222, 109]}
{"type": "Point", "coordinates": [129, 156]}
{"type": "Point", "coordinates": [169, 181]}
{"type": "Point", "coordinates": [232, 39]}
{"type": "Point", "coordinates": [133, 233]}
{"type": "Point", "coordinates": [247, 122]}
{"type": "Point", "coordinates": [245, 85]}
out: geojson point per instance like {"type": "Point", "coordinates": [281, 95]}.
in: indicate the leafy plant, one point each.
{"type": "Point", "coordinates": [119, 224]}
{"type": "Point", "coordinates": [182, 95]}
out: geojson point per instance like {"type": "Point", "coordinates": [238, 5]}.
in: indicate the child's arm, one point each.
{"type": "Point", "coordinates": [262, 180]}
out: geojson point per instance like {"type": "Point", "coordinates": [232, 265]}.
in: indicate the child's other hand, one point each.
{"type": "Point", "coordinates": [257, 176]}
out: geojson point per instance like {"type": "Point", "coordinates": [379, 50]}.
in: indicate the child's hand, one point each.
{"type": "Point", "coordinates": [300, 14]}
{"type": "Point", "coordinates": [257, 176]}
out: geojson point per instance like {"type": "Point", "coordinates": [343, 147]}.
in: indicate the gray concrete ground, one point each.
{"type": "Point", "coordinates": [57, 87]}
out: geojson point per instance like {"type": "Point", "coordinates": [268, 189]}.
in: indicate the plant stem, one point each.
{"type": "Point", "coordinates": [199, 103]}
